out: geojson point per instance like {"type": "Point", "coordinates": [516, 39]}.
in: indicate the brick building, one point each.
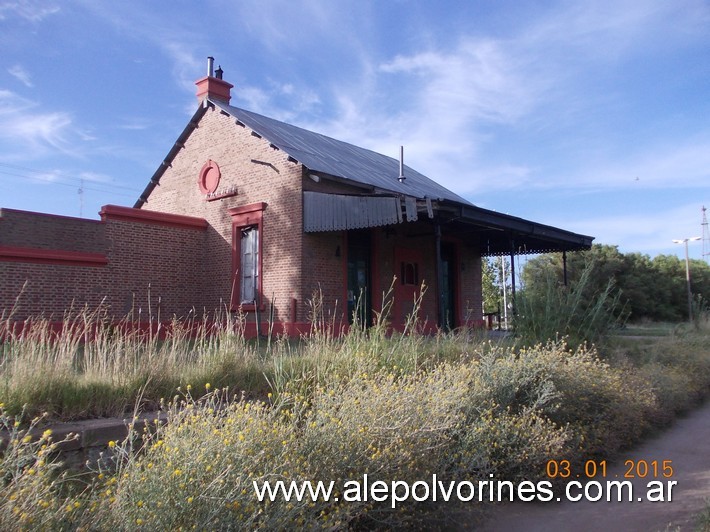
{"type": "Point", "coordinates": [252, 214]}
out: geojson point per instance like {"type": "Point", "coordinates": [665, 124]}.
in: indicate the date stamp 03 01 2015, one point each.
{"type": "Point", "coordinates": [656, 474]}
{"type": "Point", "coordinates": [654, 469]}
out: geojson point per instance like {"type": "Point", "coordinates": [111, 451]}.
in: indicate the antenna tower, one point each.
{"type": "Point", "coordinates": [706, 235]}
{"type": "Point", "coordinates": [81, 198]}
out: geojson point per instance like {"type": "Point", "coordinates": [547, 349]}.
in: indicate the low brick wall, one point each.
{"type": "Point", "coordinates": [130, 260]}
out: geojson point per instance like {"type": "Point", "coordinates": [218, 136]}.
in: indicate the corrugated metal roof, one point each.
{"type": "Point", "coordinates": [320, 153]}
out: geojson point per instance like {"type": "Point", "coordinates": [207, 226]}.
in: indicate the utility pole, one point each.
{"type": "Point", "coordinates": [687, 273]}
{"type": "Point", "coordinates": [81, 198]}
{"type": "Point", "coordinates": [706, 235]}
{"type": "Point", "coordinates": [505, 291]}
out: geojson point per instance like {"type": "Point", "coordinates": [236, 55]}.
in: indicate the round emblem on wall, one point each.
{"type": "Point", "coordinates": [209, 177]}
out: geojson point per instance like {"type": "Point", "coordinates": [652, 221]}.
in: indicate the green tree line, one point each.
{"type": "Point", "coordinates": [650, 288]}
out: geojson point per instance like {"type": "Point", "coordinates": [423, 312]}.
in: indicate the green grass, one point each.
{"type": "Point", "coordinates": [646, 329]}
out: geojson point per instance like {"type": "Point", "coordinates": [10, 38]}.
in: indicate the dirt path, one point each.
{"type": "Point", "coordinates": [686, 443]}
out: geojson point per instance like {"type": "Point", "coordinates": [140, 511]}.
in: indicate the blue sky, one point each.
{"type": "Point", "coordinates": [588, 115]}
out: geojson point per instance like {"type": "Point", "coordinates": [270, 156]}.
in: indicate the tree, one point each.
{"type": "Point", "coordinates": [494, 282]}
{"type": "Point", "coordinates": [650, 288]}
{"type": "Point", "coordinates": [489, 286]}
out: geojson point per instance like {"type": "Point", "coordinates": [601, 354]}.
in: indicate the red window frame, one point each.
{"type": "Point", "coordinates": [242, 217]}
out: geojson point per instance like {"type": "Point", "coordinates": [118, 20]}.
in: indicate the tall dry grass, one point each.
{"type": "Point", "coordinates": [90, 367]}
{"type": "Point", "coordinates": [395, 407]}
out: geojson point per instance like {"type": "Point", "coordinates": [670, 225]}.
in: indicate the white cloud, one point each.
{"type": "Point", "coordinates": [21, 74]}
{"type": "Point", "coordinates": [457, 102]}
{"type": "Point", "coordinates": [479, 80]}
{"type": "Point", "coordinates": [24, 130]}
{"type": "Point", "coordinates": [27, 9]}
{"type": "Point", "coordinates": [135, 124]}
{"type": "Point", "coordinates": [186, 64]}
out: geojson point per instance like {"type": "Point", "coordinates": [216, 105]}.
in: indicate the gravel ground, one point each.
{"type": "Point", "coordinates": [686, 444]}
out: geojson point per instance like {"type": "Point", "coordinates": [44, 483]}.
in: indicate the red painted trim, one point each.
{"type": "Point", "coordinates": [52, 256]}
{"type": "Point", "coordinates": [128, 214]}
{"type": "Point", "coordinates": [164, 329]}
{"type": "Point", "coordinates": [246, 209]}
{"type": "Point", "coordinates": [209, 168]}
{"type": "Point", "coordinates": [245, 216]}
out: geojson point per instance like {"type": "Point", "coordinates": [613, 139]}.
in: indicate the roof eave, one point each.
{"type": "Point", "coordinates": [565, 240]}
{"type": "Point", "coordinates": [174, 150]}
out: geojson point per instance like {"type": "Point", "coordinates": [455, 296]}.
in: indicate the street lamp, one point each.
{"type": "Point", "coordinates": [687, 273]}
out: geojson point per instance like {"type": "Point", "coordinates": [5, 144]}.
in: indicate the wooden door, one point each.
{"type": "Point", "coordinates": [408, 269]}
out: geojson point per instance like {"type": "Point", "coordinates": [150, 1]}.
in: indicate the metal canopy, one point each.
{"type": "Point", "coordinates": [336, 212]}
{"type": "Point", "coordinates": [502, 234]}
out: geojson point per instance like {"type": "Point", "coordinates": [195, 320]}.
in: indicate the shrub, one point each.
{"type": "Point", "coordinates": [35, 493]}
{"type": "Point", "coordinates": [394, 407]}
{"type": "Point", "coordinates": [553, 311]}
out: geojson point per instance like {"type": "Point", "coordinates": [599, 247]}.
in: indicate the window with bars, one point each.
{"type": "Point", "coordinates": [249, 264]}
{"type": "Point", "coordinates": [247, 240]}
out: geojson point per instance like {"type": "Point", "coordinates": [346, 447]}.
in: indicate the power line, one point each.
{"type": "Point", "coordinates": [77, 182]}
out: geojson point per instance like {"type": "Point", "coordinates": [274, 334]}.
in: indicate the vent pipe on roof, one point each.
{"type": "Point", "coordinates": [210, 66]}
{"type": "Point", "coordinates": [401, 177]}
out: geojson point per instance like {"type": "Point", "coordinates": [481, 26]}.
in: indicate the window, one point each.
{"type": "Point", "coordinates": [247, 240]}
{"type": "Point", "coordinates": [410, 274]}
{"type": "Point", "coordinates": [249, 265]}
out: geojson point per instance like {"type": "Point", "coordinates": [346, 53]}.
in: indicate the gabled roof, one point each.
{"type": "Point", "coordinates": [326, 155]}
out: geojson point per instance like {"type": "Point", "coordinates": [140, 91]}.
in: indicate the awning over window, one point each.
{"type": "Point", "coordinates": [335, 212]}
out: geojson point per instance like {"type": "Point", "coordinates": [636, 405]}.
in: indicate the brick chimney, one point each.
{"type": "Point", "coordinates": [212, 85]}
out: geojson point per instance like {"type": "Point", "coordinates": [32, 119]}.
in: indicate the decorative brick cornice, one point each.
{"type": "Point", "coordinates": [235, 211]}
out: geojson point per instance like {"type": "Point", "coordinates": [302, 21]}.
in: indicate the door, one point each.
{"type": "Point", "coordinates": [408, 269]}
{"type": "Point", "coordinates": [448, 288]}
{"type": "Point", "coordinates": [359, 278]}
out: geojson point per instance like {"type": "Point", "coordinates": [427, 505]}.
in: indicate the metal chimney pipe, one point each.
{"type": "Point", "coordinates": [401, 177]}
{"type": "Point", "coordinates": [210, 66]}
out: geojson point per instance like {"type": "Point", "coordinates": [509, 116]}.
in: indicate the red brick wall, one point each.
{"type": "Point", "coordinates": [260, 173]}
{"type": "Point", "coordinates": [191, 266]}
{"type": "Point", "coordinates": [324, 273]}
{"type": "Point", "coordinates": [48, 256]}
{"type": "Point", "coordinates": [48, 231]}
{"type": "Point", "coordinates": [417, 236]}
{"type": "Point", "coordinates": [157, 260]}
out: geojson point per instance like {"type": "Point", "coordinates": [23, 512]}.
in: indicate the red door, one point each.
{"type": "Point", "coordinates": [408, 269]}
